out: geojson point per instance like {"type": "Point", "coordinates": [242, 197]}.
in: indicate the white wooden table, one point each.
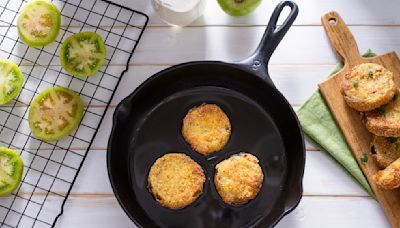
{"type": "Point", "coordinates": [303, 59]}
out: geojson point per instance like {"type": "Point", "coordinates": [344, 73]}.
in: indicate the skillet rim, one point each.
{"type": "Point", "coordinates": [297, 190]}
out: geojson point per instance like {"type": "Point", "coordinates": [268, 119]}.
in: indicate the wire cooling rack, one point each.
{"type": "Point", "coordinates": [51, 168]}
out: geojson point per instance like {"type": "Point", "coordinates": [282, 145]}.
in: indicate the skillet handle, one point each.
{"type": "Point", "coordinates": [258, 61]}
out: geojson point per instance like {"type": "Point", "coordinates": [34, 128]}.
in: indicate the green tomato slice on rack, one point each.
{"type": "Point", "coordinates": [83, 54]}
{"type": "Point", "coordinates": [11, 80]}
{"type": "Point", "coordinates": [39, 23]}
{"type": "Point", "coordinates": [55, 113]}
{"type": "Point", "coordinates": [11, 168]}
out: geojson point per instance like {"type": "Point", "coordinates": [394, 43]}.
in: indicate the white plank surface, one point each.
{"type": "Point", "coordinates": [304, 45]}
{"type": "Point", "coordinates": [303, 59]}
{"type": "Point", "coordinates": [358, 12]}
{"type": "Point", "coordinates": [329, 212]}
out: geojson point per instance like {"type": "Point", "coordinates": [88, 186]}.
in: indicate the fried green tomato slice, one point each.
{"type": "Point", "coordinates": [83, 54]}
{"type": "Point", "coordinates": [206, 128]}
{"type": "Point", "coordinates": [175, 180]}
{"type": "Point", "coordinates": [11, 81]}
{"type": "Point", "coordinates": [39, 23]}
{"type": "Point", "coordinates": [368, 86]}
{"type": "Point", "coordinates": [239, 178]}
{"type": "Point", "coordinates": [388, 178]}
{"type": "Point", "coordinates": [11, 168]}
{"type": "Point", "coordinates": [55, 113]}
{"type": "Point", "coordinates": [385, 120]}
{"type": "Point", "coordinates": [385, 150]}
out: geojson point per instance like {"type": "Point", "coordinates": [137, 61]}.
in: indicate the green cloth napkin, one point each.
{"type": "Point", "coordinates": [322, 131]}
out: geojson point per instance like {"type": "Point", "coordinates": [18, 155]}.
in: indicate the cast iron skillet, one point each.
{"type": "Point", "coordinates": [147, 124]}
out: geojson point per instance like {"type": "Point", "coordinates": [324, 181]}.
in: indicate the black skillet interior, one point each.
{"type": "Point", "coordinates": [147, 124]}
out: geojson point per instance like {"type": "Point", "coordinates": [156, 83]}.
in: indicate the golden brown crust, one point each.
{"type": "Point", "coordinates": [384, 121]}
{"type": "Point", "coordinates": [175, 180]}
{"type": "Point", "coordinates": [389, 178]}
{"type": "Point", "coordinates": [368, 86]}
{"type": "Point", "coordinates": [206, 128]}
{"type": "Point", "coordinates": [238, 179]}
{"type": "Point", "coordinates": [387, 150]}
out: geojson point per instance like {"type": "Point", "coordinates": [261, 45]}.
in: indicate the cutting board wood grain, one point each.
{"type": "Point", "coordinates": [356, 134]}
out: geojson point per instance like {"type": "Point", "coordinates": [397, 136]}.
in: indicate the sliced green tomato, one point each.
{"type": "Point", "coordinates": [239, 7]}
{"type": "Point", "coordinates": [11, 168]}
{"type": "Point", "coordinates": [83, 54]}
{"type": "Point", "coordinates": [11, 80]}
{"type": "Point", "coordinates": [39, 23]}
{"type": "Point", "coordinates": [55, 113]}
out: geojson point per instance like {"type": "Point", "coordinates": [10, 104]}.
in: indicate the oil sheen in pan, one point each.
{"type": "Point", "coordinates": [252, 131]}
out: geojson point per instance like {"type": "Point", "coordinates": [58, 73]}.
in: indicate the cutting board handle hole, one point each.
{"type": "Point", "coordinates": [332, 21]}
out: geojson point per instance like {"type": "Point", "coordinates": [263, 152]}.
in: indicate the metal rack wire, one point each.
{"type": "Point", "coordinates": [51, 168]}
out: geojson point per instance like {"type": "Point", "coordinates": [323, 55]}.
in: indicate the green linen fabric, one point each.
{"type": "Point", "coordinates": [322, 131]}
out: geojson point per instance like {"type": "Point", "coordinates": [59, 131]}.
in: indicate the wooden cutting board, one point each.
{"type": "Point", "coordinates": [356, 134]}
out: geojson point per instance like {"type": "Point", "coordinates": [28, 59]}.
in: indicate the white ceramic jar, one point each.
{"type": "Point", "coordinates": [179, 12]}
